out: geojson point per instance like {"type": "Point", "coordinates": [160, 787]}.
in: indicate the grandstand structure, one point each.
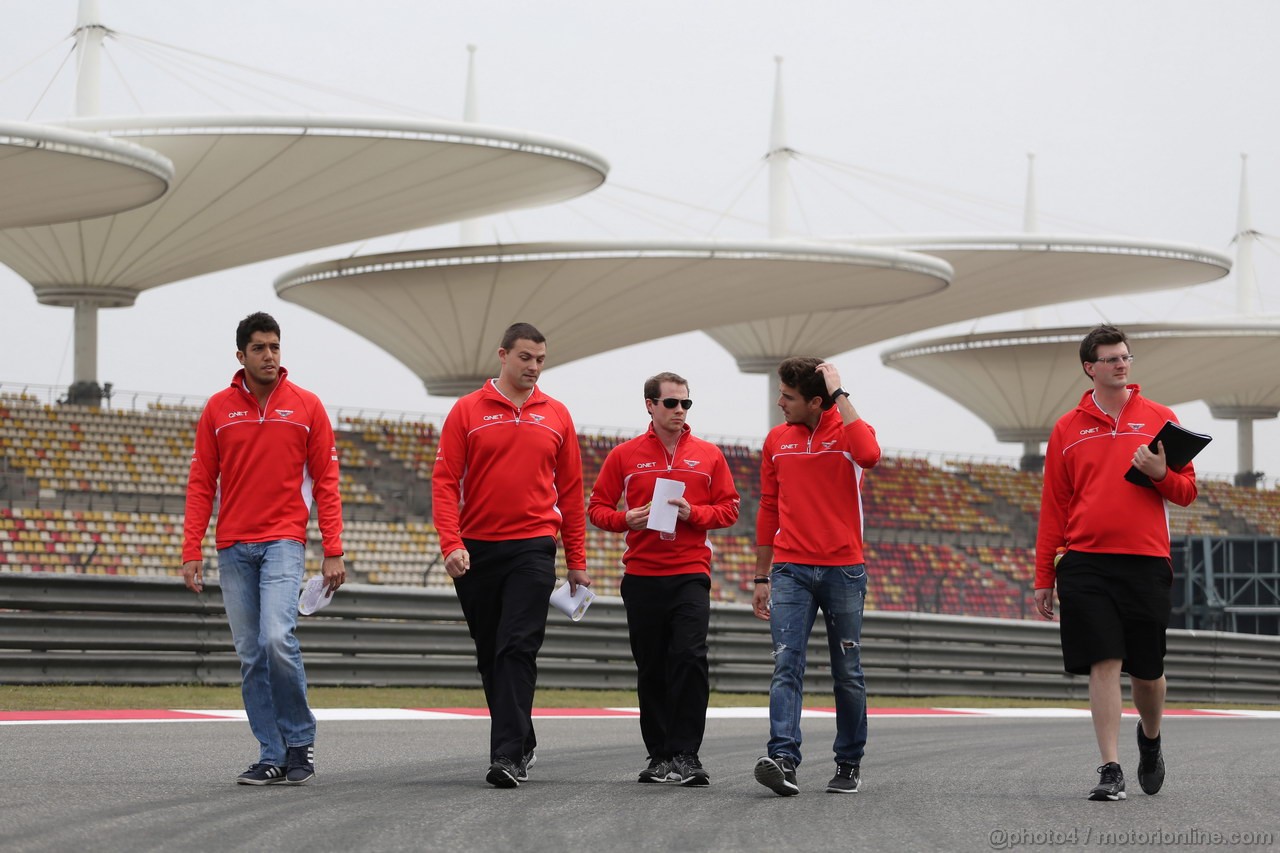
{"type": "Point", "coordinates": [96, 490]}
{"type": "Point", "coordinates": [101, 491]}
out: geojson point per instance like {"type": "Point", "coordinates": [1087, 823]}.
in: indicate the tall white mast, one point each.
{"type": "Point", "coordinates": [1246, 280]}
{"type": "Point", "coordinates": [89, 34]}
{"type": "Point", "coordinates": [1030, 225]}
{"type": "Point", "coordinates": [779, 155]}
{"type": "Point", "coordinates": [471, 231]}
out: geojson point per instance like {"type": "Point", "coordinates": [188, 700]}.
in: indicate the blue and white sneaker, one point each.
{"type": "Point", "coordinates": [261, 774]}
{"type": "Point", "coordinates": [300, 763]}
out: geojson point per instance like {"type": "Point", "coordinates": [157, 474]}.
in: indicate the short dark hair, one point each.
{"type": "Point", "coordinates": [653, 385]}
{"type": "Point", "coordinates": [802, 374]}
{"type": "Point", "coordinates": [259, 321]}
{"type": "Point", "coordinates": [1099, 336]}
{"type": "Point", "coordinates": [521, 332]}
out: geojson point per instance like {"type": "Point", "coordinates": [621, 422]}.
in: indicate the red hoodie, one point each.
{"type": "Point", "coordinates": [266, 464]}
{"type": "Point", "coordinates": [810, 490]}
{"type": "Point", "coordinates": [1087, 504]}
{"type": "Point", "coordinates": [503, 472]}
{"type": "Point", "coordinates": [629, 472]}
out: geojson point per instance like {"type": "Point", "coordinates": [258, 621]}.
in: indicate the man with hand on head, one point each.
{"type": "Point", "coordinates": [667, 583]}
{"type": "Point", "coordinates": [265, 447]}
{"type": "Point", "coordinates": [507, 480]}
{"type": "Point", "coordinates": [809, 556]}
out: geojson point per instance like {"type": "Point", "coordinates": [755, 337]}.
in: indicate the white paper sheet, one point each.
{"type": "Point", "coordinates": [313, 596]}
{"type": "Point", "coordinates": [662, 515]}
{"type": "Point", "coordinates": [574, 606]}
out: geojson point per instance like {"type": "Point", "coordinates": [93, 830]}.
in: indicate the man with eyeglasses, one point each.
{"type": "Point", "coordinates": [809, 556]}
{"type": "Point", "coordinates": [507, 479]}
{"type": "Point", "coordinates": [1104, 542]}
{"type": "Point", "coordinates": [667, 581]}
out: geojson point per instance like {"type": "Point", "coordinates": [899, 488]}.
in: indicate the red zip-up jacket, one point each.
{"type": "Point", "coordinates": [503, 472]}
{"type": "Point", "coordinates": [266, 465]}
{"type": "Point", "coordinates": [629, 472]}
{"type": "Point", "coordinates": [811, 490]}
{"type": "Point", "coordinates": [1087, 504]}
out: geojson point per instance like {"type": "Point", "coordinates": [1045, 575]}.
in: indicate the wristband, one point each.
{"type": "Point", "coordinates": [758, 581]}
{"type": "Point", "coordinates": [838, 393]}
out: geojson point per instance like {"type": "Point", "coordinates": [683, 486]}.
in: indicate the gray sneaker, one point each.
{"type": "Point", "coordinates": [503, 773]}
{"type": "Point", "coordinates": [848, 777]}
{"type": "Point", "coordinates": [778, 774]}
{"type": "Point", "coordinates": [659, 770]}
{"type": "Point", "coordinates": [688, 770]}
{"type": "Point", "coordinates": [1111, 786]}
{"type": "Point", "coordinates": [1150, 762]}
{"type": "Point", "coordinates": [522, 769]}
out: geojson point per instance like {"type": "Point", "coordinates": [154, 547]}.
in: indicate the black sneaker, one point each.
{"type": "Point", "coordinates": [261, 774]}
{"type": "Point", "coordinates": [688, 770]}
{"type": "Point", "coordinates": [1111, 785]}
{"type": "Point", "coordinates": [846, 780]}
{"type": "Point", "coordinates": [778, 774]}
{"type": "Point", "coordinates": [522, 769]}
{"type": "Point", "coordinates": [503, 773]}
{"type": "Point", "coordinates": [659, 770]}
{"type": "Point", "coordinates": [1150, 762]}
{"type": "Point", "coordinates": [300, 763]}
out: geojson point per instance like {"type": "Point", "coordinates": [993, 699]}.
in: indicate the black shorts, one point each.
{"type": "Point", "coordinates": [1114, 606]}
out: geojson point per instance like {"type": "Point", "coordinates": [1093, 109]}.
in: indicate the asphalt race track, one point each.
{"type": "Point", "coordinates": [930, 783]}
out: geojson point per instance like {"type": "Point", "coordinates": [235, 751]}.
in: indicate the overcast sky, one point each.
{"type": "Point", "coordinates": [1137, 113]}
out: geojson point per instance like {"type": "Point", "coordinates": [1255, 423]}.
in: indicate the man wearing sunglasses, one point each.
{"type": "Point", "coordinates": [1104, 543]}
{"type": "Point", "coordinates": [507, 480]}
{"type": "Point", "coordinates": [667, 583]}
{"type": "Point", "coordinates": [809, 556]}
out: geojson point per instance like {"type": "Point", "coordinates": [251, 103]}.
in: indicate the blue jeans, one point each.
{"type": "Point", "coordinates": [260, 583]}
{"type": "Point", "coordinates": [796, 593]}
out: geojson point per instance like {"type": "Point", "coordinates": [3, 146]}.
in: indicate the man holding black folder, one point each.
{"type": "Point", "coordinates": [1104, 541]}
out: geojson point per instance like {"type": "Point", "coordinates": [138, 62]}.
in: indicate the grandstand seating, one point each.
{"type": "Point", "coordinates": [1258, 508]}
{"type": "Point", "coordinates": [911, 494]}
{"type": "Point", "coordinates": [951, 538]}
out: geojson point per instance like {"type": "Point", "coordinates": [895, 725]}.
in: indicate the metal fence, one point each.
{"type": "Point", "coordinates": [103, 630]}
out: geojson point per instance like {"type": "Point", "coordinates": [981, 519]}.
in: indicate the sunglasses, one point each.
{"type": "Point", "coordinates": [672, 402]}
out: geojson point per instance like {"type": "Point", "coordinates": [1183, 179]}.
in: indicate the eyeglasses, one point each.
{"type": "Point", "coordinates": [672, 402]}
{"type": "Point", "coordinates": [1115, 360]}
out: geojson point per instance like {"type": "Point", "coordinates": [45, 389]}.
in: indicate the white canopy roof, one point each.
{"type": "Point", "coordinates": [443, 311]}
{"type": "Point", "coordinates": [993, 274]}
{"type": "Point", "coordinates": [252, 188]}
{"type": "Point", "coordinates": [1021, 382]}
{"type": "Point", "coordinates": [54, 174]}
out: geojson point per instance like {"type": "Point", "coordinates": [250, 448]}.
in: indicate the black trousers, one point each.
{"type": "Point", "coordinates": [668, 617]}
{"type": "Point", "coordinates": [504, 599]}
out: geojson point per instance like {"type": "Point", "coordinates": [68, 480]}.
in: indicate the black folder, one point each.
{"type": "Point", "coordinates": [1180, 446]}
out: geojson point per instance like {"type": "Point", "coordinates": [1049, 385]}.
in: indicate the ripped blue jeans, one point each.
{"type": "Point", "coordinates": [796, 593]}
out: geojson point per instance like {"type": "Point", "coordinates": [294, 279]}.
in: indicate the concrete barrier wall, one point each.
{"type": "Point", "coordinates": [102, 630]}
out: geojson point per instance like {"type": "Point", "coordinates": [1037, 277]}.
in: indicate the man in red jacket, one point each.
{"type": "Point", "coordinates": [265, 447]}
{"type": "Point", "coordinates": [1105, 543]}
{"type": "Point", "coordinates": [809, 556]}
{"type": "Point", "coordinates": [667, 583]}
{"type": "Point", "coordinates": [507, 480]}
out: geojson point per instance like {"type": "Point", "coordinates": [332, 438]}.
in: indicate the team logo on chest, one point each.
{"type": "Point", "coordinates": [692, 463]}
{"type": "Point", "coordinates": [537, 419]}
{"type": "Point", "coordinates": [827, 445]}
{"type": "Point", "coordinates": [284, 413]}
{"type": "Point", "coordinates": [1136, 427]}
